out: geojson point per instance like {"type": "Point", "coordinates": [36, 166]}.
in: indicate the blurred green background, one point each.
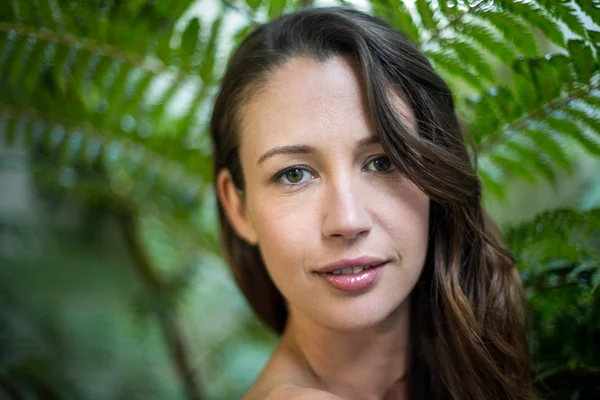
{"type": "Point", "coordinates": [112, 283]}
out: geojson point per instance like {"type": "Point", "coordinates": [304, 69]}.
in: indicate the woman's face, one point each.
{"type": "Point", "coordinates": [329, 198]}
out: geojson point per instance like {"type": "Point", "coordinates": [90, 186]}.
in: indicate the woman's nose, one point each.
{"type": "Point", "coordinates": [345, 209]}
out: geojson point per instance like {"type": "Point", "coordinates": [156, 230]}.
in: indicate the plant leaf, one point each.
{"type": "Point", "coordinates": [512, 29]}
{"type": "Point", "coordinates": [537, 18]}
{"type": "Point", "coordinates": [427, 17]}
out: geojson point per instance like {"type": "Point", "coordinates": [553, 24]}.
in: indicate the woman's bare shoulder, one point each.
{"type": "Point", "coordinates": [292, 392]}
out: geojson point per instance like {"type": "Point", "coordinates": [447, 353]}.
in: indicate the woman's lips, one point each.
{"type": "Point", "coordinates": [354, 282]}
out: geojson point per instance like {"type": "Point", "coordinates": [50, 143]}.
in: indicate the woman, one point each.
{"type": "Point", "coordinates": [351, 217]}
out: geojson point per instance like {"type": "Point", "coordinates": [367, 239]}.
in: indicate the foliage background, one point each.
{"type": "Point", "coordinates": [112, 284]}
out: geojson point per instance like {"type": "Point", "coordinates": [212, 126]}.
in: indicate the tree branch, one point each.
{"type": "Point", "coordinates": [168, 324]}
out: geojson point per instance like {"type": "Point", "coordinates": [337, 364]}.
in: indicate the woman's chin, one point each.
{"type": "Point", "coordinates": [360, 313]}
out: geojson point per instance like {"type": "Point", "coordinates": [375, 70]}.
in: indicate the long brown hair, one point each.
{"type": "Point", "coordinates": [468, 338]}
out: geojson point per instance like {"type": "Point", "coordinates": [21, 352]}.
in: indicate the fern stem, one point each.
{"type": "Point", "coordinates": [518, 124]}
{"type": "Point", "coordinates": [89, 132]}
{"type": "Point", "coordinates": [153, 65]}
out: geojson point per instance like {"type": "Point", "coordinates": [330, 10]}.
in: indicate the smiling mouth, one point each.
{"type": "Point", "coordinates": [354, 279]}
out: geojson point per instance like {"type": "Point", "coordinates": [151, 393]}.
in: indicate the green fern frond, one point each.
{"type": "Point", "coordinates": [95, 74]}
{"type": "Point", "coordinates": [398, 16]}
{"type": "Point", "coordinates": [426, 13]}
{"type": "Point", "coordinates": [527, 153]}
{"type": "Point", "coordinates": [133, 170]}
{"type": "Point", "coordinates": [276, 7]}
{"type": "Point", "coordinates": [485, 38]}
{"type": "Point", "coordinates": [470, 56]}
{"type": "Point", "coordinates": [561, 124]}
{"type": "Point", "coordinates": [512, 29]}
{"type": "Point", "coordinates": [510, 160]}
{"type": "Point", "coordinates": [579, 113]}
{"type": "Point", "coordinates": [554, 235]}
{"type": "Point", "coordinates": [591, 8]}
{"type": "Point", "coordinates": [529, 85]}
{"type": "Point", "coordinates": [190, 43]}
{"type": "Point", "coordinates": [592, 100]}
{"type": "Point", "coordinates": [594, 39]}
{"type": "Point", "coordinates": [253, 4]}
{"type": "Point", "coordinates": [564, 12]}
{"type": "Point", "coordinates": [16, 34]}
{"type": "Point", "coordinates": [583, 59]}
{"type": "Point", "coordinates": [450, 9]}
{"type": "Point", "coordinates": [549, 144]}
{"type": "Point", "coordinates": [490, 111]}
{"type": "Point", "coordinates": [536, 17]}
{"type": "Point", "coordinates": [209, 58]}
{"type": "Point", "coordinates": [533, 110]}
{"type": "Point", "coordinates": [449, 64]}
{"type": "Point", "coordinates": [530, 154]}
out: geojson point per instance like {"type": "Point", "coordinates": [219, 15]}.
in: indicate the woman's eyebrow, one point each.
{"type": "Point", "coordinates": [307, 149]}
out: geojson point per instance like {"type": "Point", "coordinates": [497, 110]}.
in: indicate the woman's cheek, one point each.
{"type": "Point", "coordinates": [277, 221]}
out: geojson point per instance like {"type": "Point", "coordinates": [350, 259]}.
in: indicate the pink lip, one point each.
{"type": "Point", "coordinates": [354, 282]}
{"type": "Point", "coordinates": [351, 263]}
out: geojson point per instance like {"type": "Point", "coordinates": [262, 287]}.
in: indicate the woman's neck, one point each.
{"type": "Point", "coordinates": [370, 364]}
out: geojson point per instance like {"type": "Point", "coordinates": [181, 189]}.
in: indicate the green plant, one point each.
{"type": "Point", "coordinates": [109, 101]}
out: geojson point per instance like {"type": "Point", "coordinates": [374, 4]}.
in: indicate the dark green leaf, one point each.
{"type": "Point", "coordinates": [530, 155]}
{"type": "Point", "coordinates": [491, 179]}
{"type": "Point", "coordinates": [592, 100]}
{"type": "Point", "coordinates": [253, 4]}
{"type": "Point", "coordinates": [276, 8]}
{"type": "Point", "coordinates": [210, 52]}
{"type": "Point", "coordinates": [19, 59]}
{"type": "Point", "coordinates": [449, 8]}
{"type": "Point", "coordinates": [398, 16]}
{"type": "Point", "coordinates": [189, 42]}
{"type": "Point", "coordinates": [448, 62]}
{"type": "Point", "coordinates": [567, 127]}
{"type": "Point", "coordinates": [17, 13]}
{"type": "Point", "coordinates": [512, 163]}
{"type": "Point", "coordinates": [471, 56]}
{"type": "Point", "coordinates": [242, 33]}
{"type": "Point", "coordinates": [595, 40]}
{"type": "Point", "coordinates": [563, 68]}
{"type": "Point", "coordinates": [590, 138]}
{"type": "Point", "coordinates": [591, 8]}
{"type": "Point", "coordinates": [549, 143]}
{"type": "Point", "coordinates": [537, 18]}
{"type": "Point", "coordinates": [544, 77]}
{"type": "Point", "coordinates": [31, 70]}
{"type": "Point", "coordinates": [583, 59]}
{"type": "Point", "coordinates": [427, 17]}
{"type": "Point", "coordinates": [564, 12]}
{"type": "Point", "coordinates": [486, 39]}
{"type": "Point", "coordinates": [527, 88]}
{"type": "Point", "coordinates": [512, 29]}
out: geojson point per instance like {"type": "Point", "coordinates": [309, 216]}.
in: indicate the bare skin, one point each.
{"type": "Point", "coordinates": [336, 345]}
{"type": "Point", "coordinates": [300, 369]}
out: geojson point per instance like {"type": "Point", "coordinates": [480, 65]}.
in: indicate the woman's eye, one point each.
{"type": "Point", "coordinates": [382, 164]}
{"type": "Point", "coordinates": [293, 175]}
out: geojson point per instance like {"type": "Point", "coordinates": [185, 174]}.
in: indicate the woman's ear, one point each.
{"type": "Point", "coordinates": [234, 206]}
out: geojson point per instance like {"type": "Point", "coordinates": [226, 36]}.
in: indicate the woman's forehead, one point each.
{"type": "Point", "coordinates": [311, 100]}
